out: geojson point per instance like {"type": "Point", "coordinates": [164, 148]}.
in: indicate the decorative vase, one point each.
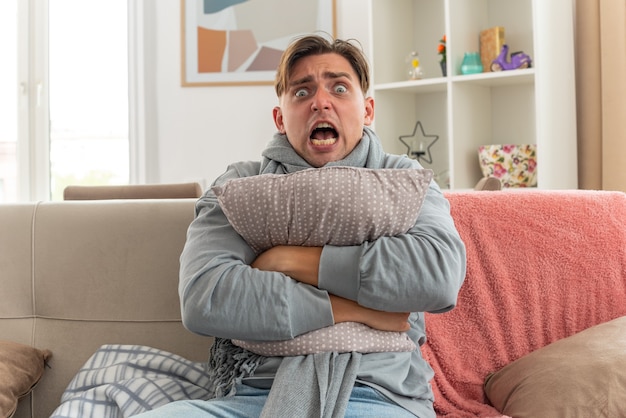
{"type": "Point", "coordinates": [444, 70]}
{"type": "Point", "coordinates": [471, 63]}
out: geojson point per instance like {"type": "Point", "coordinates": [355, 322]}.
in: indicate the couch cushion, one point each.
{"type": "Point", "coordinates": [21, 367]}
{"type": "Point", "coordinates": [580, 376]}
{"type": "Point", "coordinates": [90, 253]}
{"type": "Point", "coordinates": [16, 248]}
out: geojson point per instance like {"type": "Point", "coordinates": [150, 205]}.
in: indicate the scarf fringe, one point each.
{"type": "Point", "coordinates": [229, 365]}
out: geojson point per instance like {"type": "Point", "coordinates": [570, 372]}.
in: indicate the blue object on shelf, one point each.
{"type": "Point", "coordinates": [471, 63]}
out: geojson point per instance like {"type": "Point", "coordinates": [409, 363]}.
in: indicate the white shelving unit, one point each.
{"type": "Point", "coordinates": [534, 105]}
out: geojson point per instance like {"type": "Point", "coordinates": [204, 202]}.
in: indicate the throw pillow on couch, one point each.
{"type": "Point", "coordinates": [320, 206]}
{"type": "Point", "coordinates": [21, 367]}
{"type": "Point", "coordinates": [583, 375]}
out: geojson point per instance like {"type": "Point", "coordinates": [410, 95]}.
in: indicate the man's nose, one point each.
{"type": "Point", "coordinates": [321, 100]}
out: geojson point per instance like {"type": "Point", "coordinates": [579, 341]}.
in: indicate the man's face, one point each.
{"type": "Point", "coordinates": [323, 109]}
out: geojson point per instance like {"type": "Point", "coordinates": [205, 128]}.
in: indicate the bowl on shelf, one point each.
{"type": "Point", "coordinates": [515, 165]}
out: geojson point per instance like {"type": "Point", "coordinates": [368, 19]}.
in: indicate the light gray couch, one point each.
{"type": "Point", "coordinates": [77, 275]}
{"type": "Point", "coordinates": [542, 266]}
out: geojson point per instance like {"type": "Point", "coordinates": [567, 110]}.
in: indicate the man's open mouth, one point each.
{"type": "Point", "coordinates": [323, 134]}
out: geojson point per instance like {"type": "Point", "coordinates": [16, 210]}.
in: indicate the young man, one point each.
{"type": "Point", "coordinates": [322, 119]}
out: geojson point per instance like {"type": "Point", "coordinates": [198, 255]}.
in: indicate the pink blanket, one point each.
{"type": "Point", "coordinates": [541, 266]}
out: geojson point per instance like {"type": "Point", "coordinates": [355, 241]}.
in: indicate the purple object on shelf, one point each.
{"type": "Point", "coordinates": [518, 60]}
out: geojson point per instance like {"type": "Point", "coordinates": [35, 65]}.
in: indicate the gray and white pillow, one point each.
{"type": "Point", "coordinates": [344, 337]}
{"type": "Point", "coordinates": [325, 206]}
{"type": "Point", "coordinates": [319, 206]}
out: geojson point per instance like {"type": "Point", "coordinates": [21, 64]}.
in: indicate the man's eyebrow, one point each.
{"type": "Point", "coordinates": [327, 74]}
{"type": "Point", "coordinates": [300, 81]}
{"type": "Point", "coordinates": [331, 74]}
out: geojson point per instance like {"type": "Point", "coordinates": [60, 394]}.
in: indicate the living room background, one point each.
{"type": "Point", "coordinates": [183, 134]}
{"type": "Point", "coordinates": [177, 134]}
{"type": "Point", "coordinates": [193, 132]}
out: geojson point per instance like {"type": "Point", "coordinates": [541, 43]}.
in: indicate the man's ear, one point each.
{"type": "Point", "coordinates": [278, 119]}
{"type": "Point", "coordinates": [369, 111]}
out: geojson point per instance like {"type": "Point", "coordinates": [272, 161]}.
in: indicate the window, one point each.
{"type": "Point", "coordinates": [88, 79]}
{"type": "Point", "coordinates": [65, 94]}
{"type": "Point", "coordinates": [8, 101]}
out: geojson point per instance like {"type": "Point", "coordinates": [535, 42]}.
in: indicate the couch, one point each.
{"type": "Point", "coordinates": [75, 275]}
{"type": "Point", "coordinates": [543, 267]}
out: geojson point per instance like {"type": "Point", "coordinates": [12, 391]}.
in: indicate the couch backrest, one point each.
{"type": "Point", "coordinates": [77, 275]}
{"type": "Point", "coordinates": [541, 266]}
{"type": "Point", "coordinates": [133, 191]}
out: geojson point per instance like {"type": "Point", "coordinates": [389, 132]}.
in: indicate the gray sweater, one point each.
{"type": "Point", "coordinates": [221, 295]}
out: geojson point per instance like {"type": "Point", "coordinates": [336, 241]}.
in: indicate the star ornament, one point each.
{"type": "Point", "coordinates": [414, 144]}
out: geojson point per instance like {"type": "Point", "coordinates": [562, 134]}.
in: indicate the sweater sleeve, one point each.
{"type": "Point", "coordinates": [420, 271]}
{"type": "Point", "coordinates": [221, 295]}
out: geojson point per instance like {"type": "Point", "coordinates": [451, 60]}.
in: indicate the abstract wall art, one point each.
{"type": "Point", "coordinates": [239, 42]}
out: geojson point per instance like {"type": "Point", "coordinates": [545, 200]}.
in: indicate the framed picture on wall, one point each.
{"type": "Point", "coordinates": [239, 42]}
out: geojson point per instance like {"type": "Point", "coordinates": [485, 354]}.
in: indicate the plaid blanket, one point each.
{"type": "Point", "coordinates": [124, 380]}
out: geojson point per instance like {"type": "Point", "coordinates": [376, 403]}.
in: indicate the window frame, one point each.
{"type": "Point", "coordinates": [33, 142]}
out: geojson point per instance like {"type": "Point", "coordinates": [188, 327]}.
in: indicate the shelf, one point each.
{"type": "Point", "coordinates": [440, 84]}
{"type": "Point", "coordinates": [429, 85]}
{"type": "Point", "coordinates": [531, 105]}
{"type": "Point", "coordinates": [500, 78]}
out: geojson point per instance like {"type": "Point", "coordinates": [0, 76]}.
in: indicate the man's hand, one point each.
{"type": "Point", "coordinates": [345, 310]}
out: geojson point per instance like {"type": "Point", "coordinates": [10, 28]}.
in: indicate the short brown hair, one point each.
{"type": "Point", "coordinates": [317, 45]}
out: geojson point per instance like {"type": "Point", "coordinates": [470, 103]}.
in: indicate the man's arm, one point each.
{"type": "Point", "coordinates": [419, 271]}
{"type": "Point", "coordinates": [223, 296]}
{"type": "Point", "coordinates": [302, 264]}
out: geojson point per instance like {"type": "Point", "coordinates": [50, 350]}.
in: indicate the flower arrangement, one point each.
{"type": "Point", "coordinates": [413, 61]}
{"type": "Point", "coordinates": [441, 48]}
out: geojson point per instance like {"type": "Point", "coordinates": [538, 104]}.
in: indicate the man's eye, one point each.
{"type": "Point", "coordinates": [341, 88]}
{"type": "Point", "coordinates": [301, 93]}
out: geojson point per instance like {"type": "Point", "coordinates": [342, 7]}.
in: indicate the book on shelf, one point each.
{"type": "Point", "coordinates": [491, 41]}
